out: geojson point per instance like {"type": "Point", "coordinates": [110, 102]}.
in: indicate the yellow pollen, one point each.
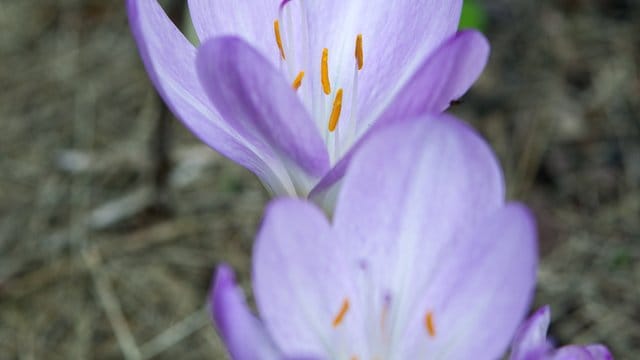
{"type": "Point", "coordinates": [324, 71]}
{"type": "Point", "coordinates": [298, 80]}
{"type": "Point", "coordinates": [335, 112]}
{"type": "Point", "coordinates": [359, 53]}
{"type": "Point", "coordinates": [343, 311]}
{"type": "Point", "coordinates": [430, 324]}
{"type": "Point", "coordinates": [276, 30]}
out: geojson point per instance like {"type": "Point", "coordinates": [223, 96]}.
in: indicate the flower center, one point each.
{"type": "Point", "coordinates": [326, 106]}
{"type": "Point", "coordinates": [382, 344]}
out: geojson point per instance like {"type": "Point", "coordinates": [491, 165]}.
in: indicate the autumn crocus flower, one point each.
{"type": "Point", "coordinates": [531, 343]}
{"type": "Point", "coordinates": [288, 88]}
{"type": "Point", "coordinates": [423, 259]}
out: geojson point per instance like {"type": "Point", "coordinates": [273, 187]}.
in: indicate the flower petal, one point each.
{"type": "Point", "coordinates": [300, 277]}
{"type": "Point", "coordinates": [445, 76]}
{"type": "Point", "coordinates": [170, 61]}
{"type": "Point", "coordinates": [575, 352]}
{"type": "Point", "coordinates": [531, 338]}
{"type": "Point", "coordinates": [599, 352]}
{"type": "Point", "coordinates": [482, 289]}
{"type": "Point", "coordinates": [243, 334]}
{"type": "Point", "coordinates": [414, 224]}
{"type": "Point", "coordinates": [397, 37]}
{"type": "Point", "coordinates": [530, 343]}
{"type": "Point", "coordinates": [449, 179]}
{"type": "Point", "coordinates": [250, 20]}
{"type": "Point", "coordinates": [254, 97]}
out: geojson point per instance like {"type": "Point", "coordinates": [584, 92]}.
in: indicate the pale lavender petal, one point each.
{"type": "Point", "coordinates": [479, 289]}
{"type": "Point", "coordinates": [250, 20]}
{"type": "Point", "coordinates": [599, 352]}
{"type": "Point", "coordinates": [417, 223]}
{"type": "Point", "coordinates": [450, 180]}
{"type": "Point", "coordinates": [531, 343]}
{"type": "Point", "coordinates": [398, 35]}
{"type": "Point", "coordinates": [244, 336]}
{"type": "Point", "coordinates": [575, 352]}
{"type": "Point", "coordinates": [531, 338]}
{"type": "Point", "coordinates": [301, 278]}
{"type": "Point", "coordinates": [443, 77]}
{"type": "Point", "coordinates": [257, 101]}
{"type": "Point", "coordinates": [170, 61]}
{"type": "Point", "coordinates": [326, 190]}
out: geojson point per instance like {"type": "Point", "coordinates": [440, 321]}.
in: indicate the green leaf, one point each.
{"type": "Point", "coordinates": [473, 16]}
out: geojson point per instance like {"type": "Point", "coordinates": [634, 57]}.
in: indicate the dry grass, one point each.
{"type": "Point", "coordinates": [92, 267]}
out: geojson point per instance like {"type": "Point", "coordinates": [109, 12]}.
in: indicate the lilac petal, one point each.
{"type": "Point", "coordinates": [599, 352]}
{"type": "Point", "coordinates": [250, 20]}
{"type": "Point", "coordinates": [445, 76]}
{"type": "Point", "coordinates": [301, 277]}
{"type": "Point", "coordinates": [170, 61]}
{"type": "Point", "coordinates": [481, 288]}
{"type": "Point", "coordinates": [449, 180]}
{"type": "Point", "coordinates": [254, 97]}
{"type": "Point", "coordinates": [397, 37]}
{"type": "Point", "coordinates": [243, 335]}
{"type": "Point", "coordinates": [575, 352]}
{"type": "Point", "coordinates": [530, 343]}
{"type": "Point", "coordinates": [531, 338]}
{"type": "Point", "coordinates": [325, 192]}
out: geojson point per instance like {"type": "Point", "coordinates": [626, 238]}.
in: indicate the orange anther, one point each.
{"type": "Point", "coordinates": [324, 71]}
{"type": "Point", "coordinates": [298, 80]}
{"type": "Point", "coordinates": [359, 52]}
{"type": "Point", "coordinates": [335, 111]}
{"type": "Point", "coordinates": [430, 324]}
{"type": "Point", "coordinates": [276, 30]}
{"type": "Point", "coordinates": [343, 311]}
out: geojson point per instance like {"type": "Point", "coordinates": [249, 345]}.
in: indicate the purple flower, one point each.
{"type": "Point", "coordinates": [288, 89]}
{"type": "Point", "coordinates": [423, 259]}
{"type": "Point", "coordinates": [530, 343]}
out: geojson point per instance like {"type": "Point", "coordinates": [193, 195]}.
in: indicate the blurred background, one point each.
{"type": "Point", "coordinates": [112, 215]}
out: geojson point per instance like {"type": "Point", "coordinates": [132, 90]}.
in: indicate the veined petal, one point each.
{"type": "Point", "coordinates": [243, 334]}
{"type": "Point", "coordinates": [170, 61]}
{"type": "Point", "coordinates": [301, 278]}
{"type": "Point", "coordinates": [531, 338]}
{"type": "Point", "coordinates": [250, 20]}
{"type": "Point", "coordinates": [450, 179]}
{"type": "Point", "coordinates": [443, 77]}
{"type": "Point", "coordinates": [438, 238]}
{"type": "Point", "coordinates": [327, 189]}
{"type": "Point", "coordinates": [257, 101]}
{"type": "Point", "coordinates": [398, 36]}
{"type": "Point", "coordinates": [531, 343]}
{"type": "Point", "coordinates": [481, 290]}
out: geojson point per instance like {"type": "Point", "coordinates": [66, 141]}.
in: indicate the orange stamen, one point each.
{"type": "Point", "coordinates": [343, 311]}
{"type": "Point", "coordinates": [276, 30]}
{"type": "Point", "coordinates": [298, 80]}
{"type": "Point", "coordinates": [430, 324]}
{"type": "Point", "coordinates": [359, 52]}
{"type": "Point", "coordinates": [335, 112]}
{"type": "Point", "coordinates": [324, 71]}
